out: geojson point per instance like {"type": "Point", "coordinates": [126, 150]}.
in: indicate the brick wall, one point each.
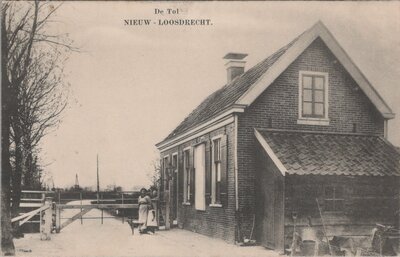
{"type": "Point", "coordinates": [219, 222]}
{"type": "Point", "coordinates": [279, 104]}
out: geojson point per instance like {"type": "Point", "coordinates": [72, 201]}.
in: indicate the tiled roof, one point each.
{"type": "Point", "coordinates": [226, 96]}
{"type": "Point", "coordinates": [246, 88]}
{"type": "Point", "coordinates": [305, 153]}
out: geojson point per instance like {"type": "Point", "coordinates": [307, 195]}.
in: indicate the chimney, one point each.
{"type": "Point", "coordinates": [235, 65]}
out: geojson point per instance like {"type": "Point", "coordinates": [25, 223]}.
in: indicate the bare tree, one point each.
{"type": "Point", "coordinates": [16, 51]}
{"type": "Point", "coordinates": [31, 95]}
{"type": "Point", "coordinates": [154, 174]}
{"type": "Point", "coordinates": [41, 100]}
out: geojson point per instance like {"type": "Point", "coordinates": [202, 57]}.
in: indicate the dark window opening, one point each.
{"type": "Point", "coordinates": [334, 198]}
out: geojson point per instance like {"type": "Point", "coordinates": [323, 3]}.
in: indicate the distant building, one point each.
{"type": "Point", "coordinates": [303, 125]}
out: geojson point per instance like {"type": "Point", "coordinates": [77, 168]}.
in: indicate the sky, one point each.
{"type": "Point", "coordinates": [131, 85]}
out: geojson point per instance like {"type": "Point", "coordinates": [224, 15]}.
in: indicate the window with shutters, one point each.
{"type": "Point", "coordinates": [216, 171]}
{"type": "Point", "coordinates": [313, 98]}
{"type": "Point", "coordinates": [186, 176]}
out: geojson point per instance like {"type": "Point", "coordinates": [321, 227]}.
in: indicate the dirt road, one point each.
{"type": "Point", "coordinates": [114, 238]}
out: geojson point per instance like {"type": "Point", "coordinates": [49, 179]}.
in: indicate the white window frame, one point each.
{"type": "Point", "coordinates": [186, 179]}
{"type": "Point", "coordinates": [324, 121]}
{"type": "Point", "coordinates": [214, 202]}
{"type": "Point", "coordinates": [165, 172]}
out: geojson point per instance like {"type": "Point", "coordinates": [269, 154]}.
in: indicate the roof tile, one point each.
{"type": "Point", "coordinates": [305, 153]}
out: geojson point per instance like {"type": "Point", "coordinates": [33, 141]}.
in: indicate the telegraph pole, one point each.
{"type": "Point", "coordinates": [98, 183]}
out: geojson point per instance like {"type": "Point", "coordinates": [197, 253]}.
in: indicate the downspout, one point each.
{"type": "Point", "coordinates": [235, 153]}
{"type": "Point", "coordinates": [235, 168]}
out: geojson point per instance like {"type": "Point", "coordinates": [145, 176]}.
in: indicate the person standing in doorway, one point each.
{"type": "Point", "coordinates": [144, 202]}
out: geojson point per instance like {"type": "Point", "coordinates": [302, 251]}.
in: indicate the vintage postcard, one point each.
{"type": "Point", "coordinates": [152, 128]}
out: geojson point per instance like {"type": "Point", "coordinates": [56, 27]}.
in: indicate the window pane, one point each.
{"type": "Point", "coordinates": [307, 82]}
{"type": "Point", "coordinates": [175, 162]}
{"type": "Point", "coordinates": [339, 192]}
{"type": "Point", "coordinates": [217, 193]}
{"type": "Point", "coordinates": [186, 156]}
{"type": "Point", "coordinates": [339, 205]}
{"type": "Point", "coordinates": [319, 96]}
{"type": "Point", "coordinates": [307, 95]}
{"type": "Point", "coordinates": [216, 150]}
{"type": "Point", "coordinates": [329, 205]}
{"type": "Point", "coordinates": [319, 83]}
{"type": "Point", "coordinates": [319, 109]}
{"type": "Point", "coordinates": [329, 192]}
{"type": "Point", "coordinates": [307, 108]}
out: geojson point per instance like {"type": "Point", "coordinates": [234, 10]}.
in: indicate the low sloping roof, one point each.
{"type": "Point", "coordinates": [309, 153]}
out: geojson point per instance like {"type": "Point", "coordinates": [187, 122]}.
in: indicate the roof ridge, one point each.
{"type": "Point", "coordinates": [318, 132]}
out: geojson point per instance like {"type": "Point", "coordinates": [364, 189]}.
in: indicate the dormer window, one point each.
{"type": "Point", "coordinates": [313, 98]}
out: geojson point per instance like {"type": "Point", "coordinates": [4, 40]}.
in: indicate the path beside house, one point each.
{"type": "Point", "coordinates": [113, 238]}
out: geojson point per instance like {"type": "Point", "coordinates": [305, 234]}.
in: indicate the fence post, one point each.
{"type": "Point", "coordinates": [46, 220]}
{"type": "Point", "coordinates": [58, 219]}
{"type": "Point", "coordinates": [53, 216]}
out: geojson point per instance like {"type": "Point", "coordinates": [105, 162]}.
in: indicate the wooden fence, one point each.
{"type": "Point", "coordinates": [31, 201]}
{"type": "Point", "coordinates": [41, 211]}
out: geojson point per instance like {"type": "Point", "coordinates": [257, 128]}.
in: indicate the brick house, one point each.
{"type": "Point", "coordinates": [303, 127]}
